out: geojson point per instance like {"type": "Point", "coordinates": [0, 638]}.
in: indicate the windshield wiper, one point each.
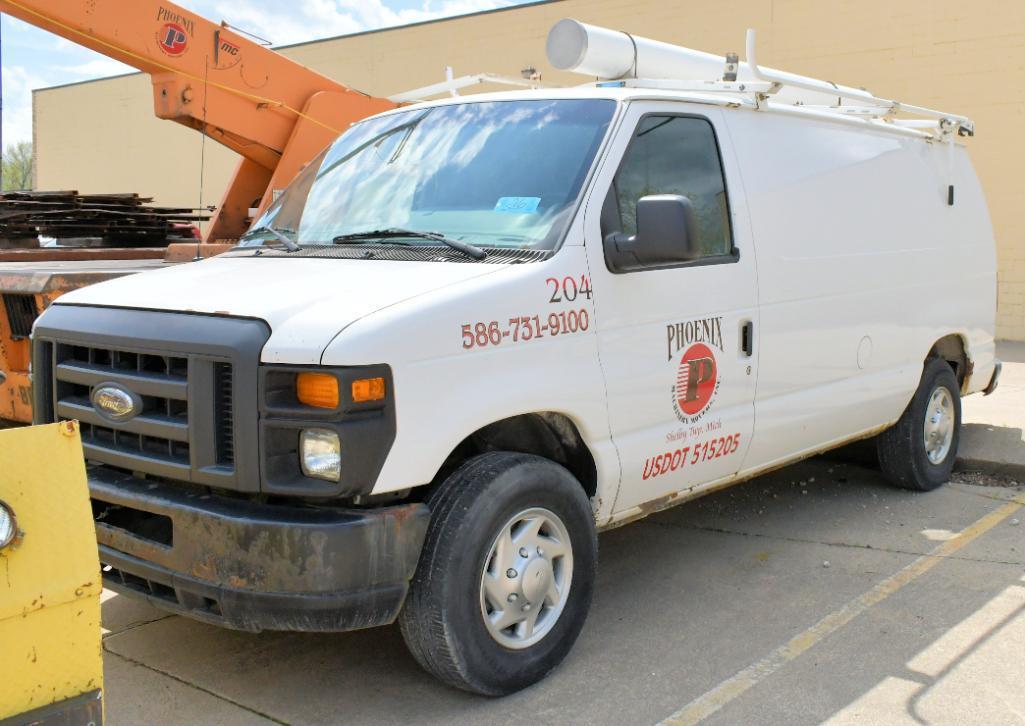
{"type": "Point", "coordinates": [278, 234]}
{"type": "Point", "coordinates": [467, 249]}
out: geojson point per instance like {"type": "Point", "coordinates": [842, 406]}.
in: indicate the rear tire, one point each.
{"type": "Point", "coordinates": [511, 541]}
{"type": "Point", "coordinates": [918, 452]}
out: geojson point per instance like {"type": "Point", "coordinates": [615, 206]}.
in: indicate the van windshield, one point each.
{"type": "Point", "coordinates": [491, 174]}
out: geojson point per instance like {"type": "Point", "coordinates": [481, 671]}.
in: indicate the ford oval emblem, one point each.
{"type": "Point", "coordinates": [115, 403]}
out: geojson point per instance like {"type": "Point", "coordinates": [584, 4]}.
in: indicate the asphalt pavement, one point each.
{"type": "Point", "coordinates": [815, 594]}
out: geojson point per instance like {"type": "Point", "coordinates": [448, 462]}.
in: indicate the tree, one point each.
{"type": "Point", "coordinates": [17, 166]}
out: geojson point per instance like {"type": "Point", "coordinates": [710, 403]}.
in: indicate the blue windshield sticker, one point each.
{"type": "Point", "coordinates": [517, 205]}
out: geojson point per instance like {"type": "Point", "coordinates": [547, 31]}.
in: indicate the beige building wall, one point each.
{"type": "Point", "coordinates": [959, 56]}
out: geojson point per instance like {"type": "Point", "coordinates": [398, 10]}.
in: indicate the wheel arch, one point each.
{"type": "Point", "coordinates": [953, 348]}
{"type": "Point", "coordinates": [548, 434]}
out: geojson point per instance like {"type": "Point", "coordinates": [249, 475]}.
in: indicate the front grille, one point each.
{"type": "Point", "coordinates": [160, 439]}
{"type": "Point", "coordinates": [192, 379]}
{"type": "Point", "coordinates": [159, 433]}
{"type": "Point", "coordinates": [224, 413]}
{"type": "Point", "coordinates": [103, 437]}
{"type": "Point", "coordinates": [21, 314]}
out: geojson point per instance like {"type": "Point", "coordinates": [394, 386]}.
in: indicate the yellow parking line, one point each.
{"type": "Point", "coordinates": [705, 705]}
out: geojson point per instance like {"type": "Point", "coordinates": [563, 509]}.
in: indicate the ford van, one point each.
{"type": "Point", "coordinates": [476, 331]}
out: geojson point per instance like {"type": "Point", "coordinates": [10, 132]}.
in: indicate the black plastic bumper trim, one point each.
{"type": "Point", "coordinates": [250, 610]}
{"type": "Point", "coordinates": [263, 566]}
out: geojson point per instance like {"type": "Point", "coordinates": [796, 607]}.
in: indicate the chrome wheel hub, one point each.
{"type": "Point", "coordinates": [939, 425]}
{"type": "Point", "coordinates": [526, 578]}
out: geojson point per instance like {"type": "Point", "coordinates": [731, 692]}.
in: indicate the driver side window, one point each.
{"type": "Point", "coordinates": [674, 155]}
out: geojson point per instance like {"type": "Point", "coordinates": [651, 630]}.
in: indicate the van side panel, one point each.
{"type": "Point", "coordinates": [862, 266]}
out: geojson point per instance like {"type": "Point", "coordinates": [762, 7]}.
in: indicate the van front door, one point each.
{"type": "Point", "coordinates": [676, 338]}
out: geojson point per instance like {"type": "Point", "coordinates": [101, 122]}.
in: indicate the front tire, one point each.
{"type": "Point", "coordinates": [918, 452]}
{"type": "Point", "coordinates": [506, 575]}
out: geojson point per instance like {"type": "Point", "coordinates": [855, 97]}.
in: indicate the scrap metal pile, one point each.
{"type": "Point", "coordinates": [107, 220]}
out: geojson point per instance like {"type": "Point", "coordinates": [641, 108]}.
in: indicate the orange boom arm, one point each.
{"type": "Point", "coordinates": [274, 112]}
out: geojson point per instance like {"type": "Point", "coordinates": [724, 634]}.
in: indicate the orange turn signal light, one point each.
{"type": "Point", "coordinates": [317, 389]}
{"type": "Point", "coordinates": [368, 389]}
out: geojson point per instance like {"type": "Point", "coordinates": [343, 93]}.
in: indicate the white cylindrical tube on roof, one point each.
{"type": "Point", "coordinates": [590, 50]}
{"type": "Point", "coordinates": [603, 53]}
{"type": "Point", "coordinates": [612, 54]}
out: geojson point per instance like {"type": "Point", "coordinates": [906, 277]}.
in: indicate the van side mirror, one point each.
{"type": "Point", "coordinates": [666, 234]}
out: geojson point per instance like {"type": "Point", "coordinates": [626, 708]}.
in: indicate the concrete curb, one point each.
{"type": "Point", "coordinates": [988, 466]}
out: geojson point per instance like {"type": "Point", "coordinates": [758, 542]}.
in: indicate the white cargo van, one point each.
{"type": "Point", "coordinates": [476, 331]}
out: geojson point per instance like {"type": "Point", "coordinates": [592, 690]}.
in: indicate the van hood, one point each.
{"type": "Point", "coordinates": [306, 301]}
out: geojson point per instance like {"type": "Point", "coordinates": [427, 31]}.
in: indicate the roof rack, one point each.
{"type": "Point", "coordinates": [621, 59]}
{"type": "Point", "coordinates": [454, 85]}
{"type": "Point", "coordinates": [945, 123]}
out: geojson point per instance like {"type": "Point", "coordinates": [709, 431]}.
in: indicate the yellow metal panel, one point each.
{"type": "Point", "coordinates": [50, 577]}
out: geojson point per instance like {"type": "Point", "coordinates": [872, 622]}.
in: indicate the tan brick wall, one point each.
{"type": "Point", "coordinates": [958, 56]}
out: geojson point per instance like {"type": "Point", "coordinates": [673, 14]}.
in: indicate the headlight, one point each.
{"type": "Point", "coordinates": [321, 454]}
{"type": "Point", "coordinates": [8, 526]}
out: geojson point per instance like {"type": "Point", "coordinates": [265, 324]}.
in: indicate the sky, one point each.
{"type": "Point", "coordinates": [31, 58]}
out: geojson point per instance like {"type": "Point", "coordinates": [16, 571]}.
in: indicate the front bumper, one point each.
{"type": "Point", "coordinates": [251, 566]}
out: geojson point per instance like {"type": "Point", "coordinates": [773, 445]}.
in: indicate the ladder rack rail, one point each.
{"type": "Point", "coordinates": [454, 85]}
{"type": "Point", "coordinates": [947, 122]}
{"type": "Point", "coordinates": [764, 88]}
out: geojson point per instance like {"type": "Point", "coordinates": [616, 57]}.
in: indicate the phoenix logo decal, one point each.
{"type": "Point", "coordinates": [697, 373]}
{"type": "Point", "coordinates": [174, 33]}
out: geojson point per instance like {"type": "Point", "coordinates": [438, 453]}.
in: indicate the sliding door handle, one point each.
{"type": "Point", "coordinates": [747, 338]}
